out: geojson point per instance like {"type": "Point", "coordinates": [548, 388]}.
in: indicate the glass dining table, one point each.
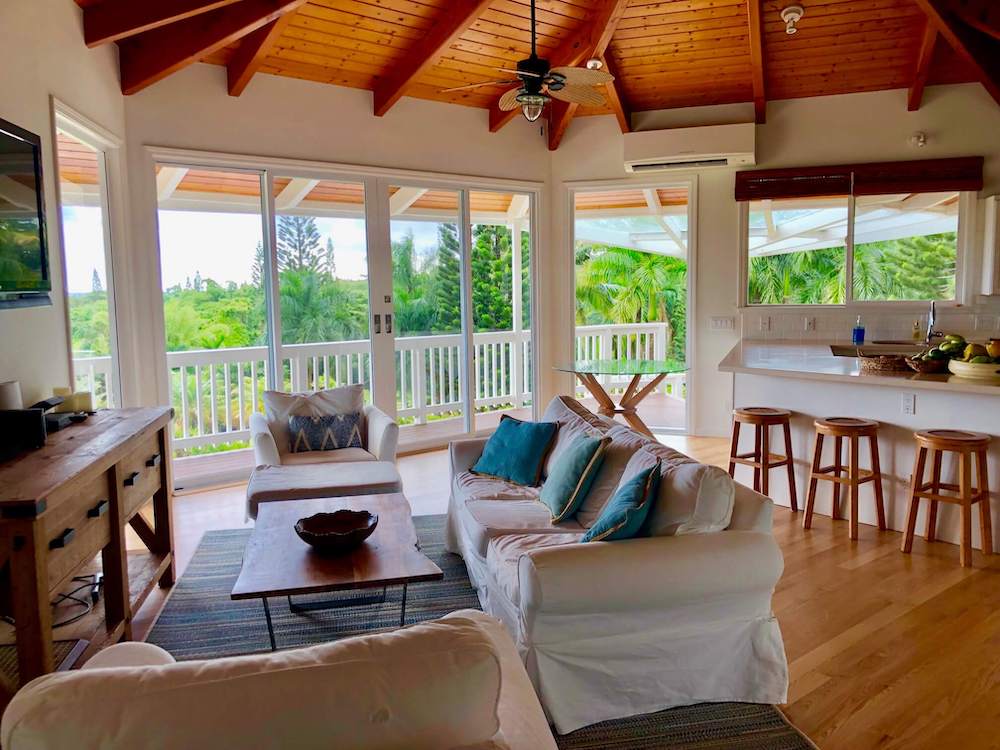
{"type": "Point", "coordinates": [590, 372]}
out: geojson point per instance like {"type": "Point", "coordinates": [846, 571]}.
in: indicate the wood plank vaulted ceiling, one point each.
{"type": "Point", "coordinates": [663, 53]}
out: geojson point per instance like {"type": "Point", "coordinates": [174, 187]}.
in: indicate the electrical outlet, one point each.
{"type": "Point", "coordinates": [809, 323]}
{"type": "Point", "coordinates": [765, 322]}
{"type": "Point", "coordinates": [722, 324]}
{"type": "Point", "coordinates": [909, 403]}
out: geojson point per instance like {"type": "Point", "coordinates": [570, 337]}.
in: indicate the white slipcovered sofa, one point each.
{"type": "Point", "coordinates": [614, 629]}
{"type": "Point", "coordinates": [453, 683]}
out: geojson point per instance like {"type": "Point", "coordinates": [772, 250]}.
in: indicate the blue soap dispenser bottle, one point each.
{"type": "Point", "coordinates": [858, 334]}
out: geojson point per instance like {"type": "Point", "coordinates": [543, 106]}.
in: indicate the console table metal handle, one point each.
{"type": "Point", "coordinates": [63, 539]}
{"type": "Point", "coordinates": [153, 460]}
{"type": "Point", "coordinates": [130, 479]}
{"type": "Point", "coordinates": [98, 510]}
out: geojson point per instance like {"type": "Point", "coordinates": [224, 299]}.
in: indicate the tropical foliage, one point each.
{"type": "Point", "coordinates": [912, 268]}
{"type": "Point", "coordinates": [621, 285]}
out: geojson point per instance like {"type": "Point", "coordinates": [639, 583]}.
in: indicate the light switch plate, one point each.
{"type": "Point", "coordinates": [908, 403]}
{"type": "Point", "coordinates": [722, 324]}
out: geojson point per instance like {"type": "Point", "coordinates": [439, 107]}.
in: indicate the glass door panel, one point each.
{"type": "Point", "coordinates": [214, 271]}
{"type": "Point", "coordinates": [87, 249]}
{"type": "Point", "coordinates": [322, 262]}
{"type": "Point", "coordinates": [427, 322]}
{"type": "Point", "coordinates": [631, 250]}
{"type": "Point", "coordinates": [501, 306]}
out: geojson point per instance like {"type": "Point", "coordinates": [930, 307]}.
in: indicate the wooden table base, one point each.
{"type": "Point", "coordinates": [629, 400]}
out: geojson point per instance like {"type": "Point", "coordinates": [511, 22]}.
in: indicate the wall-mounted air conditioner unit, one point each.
{"type": "Point", "coordinates": [690, 148]}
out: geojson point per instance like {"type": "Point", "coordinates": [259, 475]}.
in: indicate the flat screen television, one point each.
{"type": "Point", "coordinates": [24, 262]}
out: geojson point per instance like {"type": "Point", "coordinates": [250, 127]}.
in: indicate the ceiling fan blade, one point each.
{"type": "Point", "coordinates": [508, 101]}
{"type": "Point", "coordinates": [515, 71]}
{"type": "Point", "coordinates": [578, 95]}
{"type": "Point", "coordinates": [584, 76]}
{"type": "Point", "coordinates": [477, 85]}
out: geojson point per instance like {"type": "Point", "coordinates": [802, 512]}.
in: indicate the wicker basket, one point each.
{"type": "Point", "coordinates": [928, 366]}
{"type": "Point", "coordinates": [882, 362]}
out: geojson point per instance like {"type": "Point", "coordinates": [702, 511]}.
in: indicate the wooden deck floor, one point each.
{"type": "Point", "coordinates": [885, 650]}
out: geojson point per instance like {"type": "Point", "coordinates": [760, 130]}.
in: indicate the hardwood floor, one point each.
{"type": "Point", "coordinates": [885, 650]}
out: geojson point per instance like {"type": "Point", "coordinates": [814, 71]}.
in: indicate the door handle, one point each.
{"type": "Point", "coordinates": [378, 323]}
{"type": "Point", "coordinates": [388, 322]}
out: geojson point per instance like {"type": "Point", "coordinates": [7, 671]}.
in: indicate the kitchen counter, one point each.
{"type": "Point", "coordinates": [813, 360]}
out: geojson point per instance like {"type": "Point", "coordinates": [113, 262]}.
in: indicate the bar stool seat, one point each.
{"type": "Point", "coordinates": [761, 459]}
{"type": "Point", "coordinates": [851, 429]}
{"type": "Point", "coordinates": [965, 445]}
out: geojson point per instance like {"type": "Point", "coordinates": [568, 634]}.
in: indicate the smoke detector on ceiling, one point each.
{"type": "Point", "coordinates": [791, 16]}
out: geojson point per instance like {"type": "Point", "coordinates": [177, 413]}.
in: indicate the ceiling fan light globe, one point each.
{"type": "Point", "coordinates": [532, 112]}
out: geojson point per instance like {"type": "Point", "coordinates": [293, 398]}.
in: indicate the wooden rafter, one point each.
{"type": "Point", "coordinates": [981, 51]}
{"type": "Point", "coordinates": [923, 67]}
{"type": "Point", "coordinates": [456, 19]}
{"type": "Point", "coordinates": [983, 15]}
{"type": "Point", "coordinates": [756, 36]}
{"type": "Point", "coordinates": [154, 55]}
{"type": "Point", "coordinates": [113, 20]}
{"type": "Point", "coordinates": [616, 95]}
{"type": "Point", "coordinates": [252, 51]}
{"type": "Point", "coordinates": [560, 115]}
{"type": "Point", "coordinates": [590, 41]}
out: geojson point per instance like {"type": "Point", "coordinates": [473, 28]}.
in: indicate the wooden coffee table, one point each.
{"type": "Point", "coordinates": [277, 563]}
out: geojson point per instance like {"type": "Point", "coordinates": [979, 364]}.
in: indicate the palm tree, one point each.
{"type": "Point", "coordinates": [621, 285]}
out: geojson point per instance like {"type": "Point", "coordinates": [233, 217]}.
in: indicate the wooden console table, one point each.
{"type": "Point", "coordinates": [62, 505]}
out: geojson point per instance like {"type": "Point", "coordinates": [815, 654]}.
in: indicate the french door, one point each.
{"type": "Point", "coordinates": [296, 281]}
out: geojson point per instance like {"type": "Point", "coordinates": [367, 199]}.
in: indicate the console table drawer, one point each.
{"type": "Point", "coordinates": [140, 473]}
{"type": "Point", "coordinates": [78, 540]}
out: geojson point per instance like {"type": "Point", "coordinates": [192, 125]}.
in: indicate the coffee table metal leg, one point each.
{"type": "Point", "coordinates": [402, 610]}
{"type": "Point", "coordinates": [270, 626]}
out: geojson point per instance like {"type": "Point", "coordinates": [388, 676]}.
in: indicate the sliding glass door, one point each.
{"type": "Point", "coordinates": [302, 282]}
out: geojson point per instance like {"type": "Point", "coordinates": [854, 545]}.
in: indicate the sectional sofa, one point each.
{"type": "Point", "coordinates": [614, 629]}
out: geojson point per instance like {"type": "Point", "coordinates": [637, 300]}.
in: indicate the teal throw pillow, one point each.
{"type": "Point", "coordinates": [626, 511]}
{"type": "Point", "coordinates": [516, 451]}
{"type": "Point", "coordinates": [571, 476]}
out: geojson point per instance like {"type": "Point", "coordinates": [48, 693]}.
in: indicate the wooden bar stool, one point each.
{"type": "Point", "coordinates": [965, 445]}
{"type": "Point", "coordinates": [761, 459]}
{"type": "Point", "coordinates": [853, 429]}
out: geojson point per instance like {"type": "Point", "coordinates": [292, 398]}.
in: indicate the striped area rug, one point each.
{"type": "Point", "coordinates": [200, 621]}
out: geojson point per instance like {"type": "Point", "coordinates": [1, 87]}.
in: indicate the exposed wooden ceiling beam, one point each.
{"type": "Point", "coordinates": [983, 15]}
{"type": "Point", "coordinates": [756, 37]}
{"type": "Point", "coordinates": [923, 67]}
{"type": "Point", "coordinates": [251, 53]}
{"type": "Point", "coordinates": [616, 96]}
{"type": "Point", "coordinates": [154, 55]}
{"type": "Point", "coordinates": [590, 41]}
{"type": "Point", "coordinates": [118, 19]}
{"type": "Point", "coordinates": [294, 193]}
{"type": "Point", "coordinates": [981, 51]}
{"type": "Point", "coordinates": [594, 43]}
{"type": "Point", "coordinates": [458, 17]}
{"type": "Point", "coordinates": [167, 181]}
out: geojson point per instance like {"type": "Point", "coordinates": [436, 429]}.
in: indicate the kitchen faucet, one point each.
{"type": "Point", "coordinates": [931, 321]}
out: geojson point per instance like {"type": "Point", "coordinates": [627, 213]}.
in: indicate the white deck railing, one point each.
{"type": "Point", "coordinates": [214, 391]}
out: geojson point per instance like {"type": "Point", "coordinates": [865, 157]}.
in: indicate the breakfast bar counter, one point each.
{"type": "Point", "coordinates": [807, 379]}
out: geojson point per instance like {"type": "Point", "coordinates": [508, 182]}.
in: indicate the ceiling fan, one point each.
{"type": "Point", "coordinates": [539, 83]}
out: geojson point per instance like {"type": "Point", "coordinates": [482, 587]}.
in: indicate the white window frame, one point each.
{"type": "Point", "coordinates": [965, 262]}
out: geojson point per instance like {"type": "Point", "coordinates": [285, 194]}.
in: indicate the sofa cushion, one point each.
{"type": "Point", "coordinates": [433, 685]}
{"type": "Point", "coordinates": [469, 486]}
{"type": "Point", "coordinates": [572, 475]}
{"type": "Point", "coordinates": [278, 407]}
{"type": "Point", "coordinates": [516, 450]}
{"type": "Point", "coordinates": [327, 433]}
{"type": "Point", "coordinates": [625, 513]}
{"type": "Point", "coordinates": [344, 455]}
{"type": "Point", "coordinates": [693, 499]}
{"type": "Point", "coordinates": [484, 520]}
{"type": "Point", "coordinates": [574, 421]}
{"type": "Point", "coordinates": [505, 551]}
{"type": "Point", "coordinates": [624, 444]}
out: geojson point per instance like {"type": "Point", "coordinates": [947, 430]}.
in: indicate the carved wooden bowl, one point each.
{"type": "Point", "coordinates": [337, 532]}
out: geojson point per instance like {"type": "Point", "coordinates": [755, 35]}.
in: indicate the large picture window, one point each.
{"type": "Point", "coordinates": [863, 233]}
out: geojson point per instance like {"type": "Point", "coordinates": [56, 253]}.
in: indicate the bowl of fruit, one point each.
{"type": "Point", "coordinates": [978, 362]}
{"type": "Point", "coordinates": [936, 358]}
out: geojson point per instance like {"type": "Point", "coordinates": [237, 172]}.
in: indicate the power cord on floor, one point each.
{"type": "Point", "coordinates": [93, 582]}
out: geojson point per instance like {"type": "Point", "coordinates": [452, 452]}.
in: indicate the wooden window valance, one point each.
{"type": "Point", "coordinates": [922, 176]}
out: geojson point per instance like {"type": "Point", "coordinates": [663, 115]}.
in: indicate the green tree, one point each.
{"type": "Point", "coordinates": [95, 282]}
{"type": "Point", "coordinates": [299, 244]}
{"type": "Point", "coordinates": [446, 281]}
{"type": "Point", "coordinates": [491, 278]}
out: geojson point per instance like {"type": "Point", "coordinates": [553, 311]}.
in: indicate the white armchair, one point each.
{"type": "Point", "coordinates": [379, 440]}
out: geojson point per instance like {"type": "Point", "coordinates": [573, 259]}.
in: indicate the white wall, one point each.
{"type": "Point", "coordinates": [44, 55]}
{"type": "Point", "coordinates": [958, 120]}
{"type": "Point", "coordinates": [289, 118]}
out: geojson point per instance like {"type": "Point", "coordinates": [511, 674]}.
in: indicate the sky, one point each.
{"type": "Point", "coordinates": [219, 246]}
